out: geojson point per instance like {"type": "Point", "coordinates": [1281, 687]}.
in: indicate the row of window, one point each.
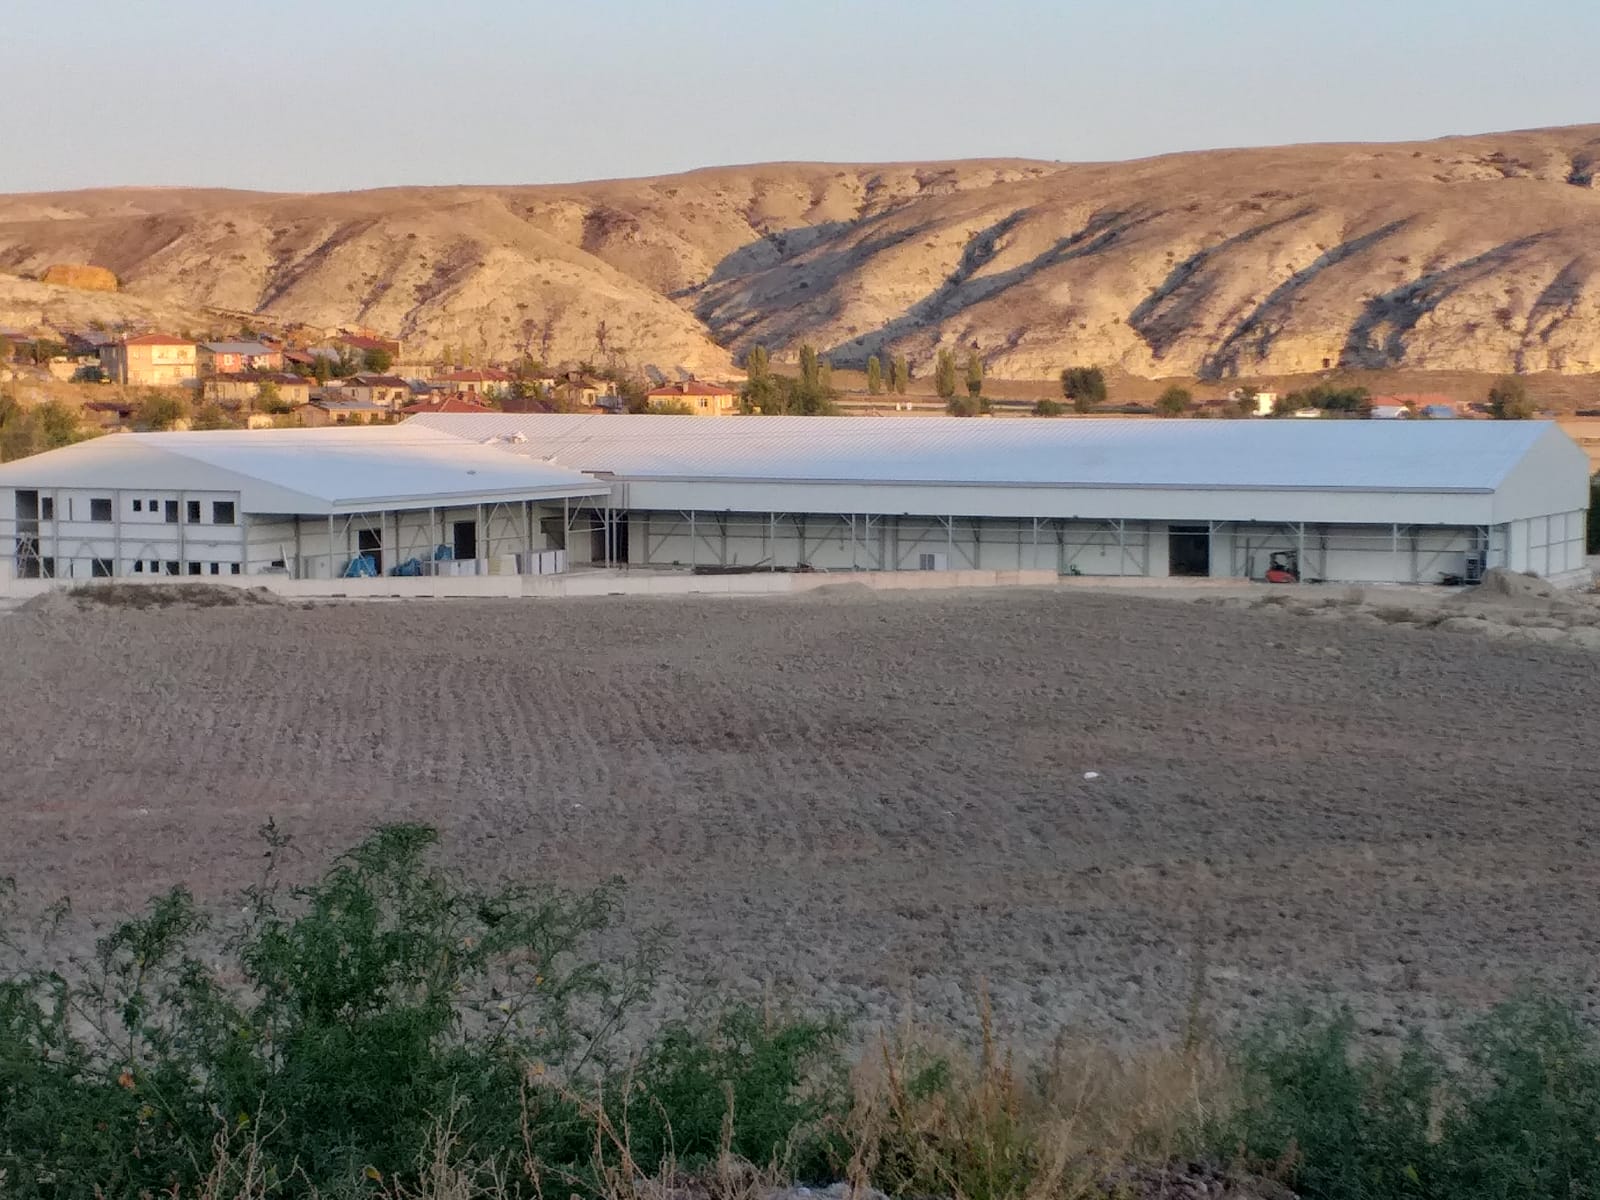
{"type": "Point", "coordinates": [104, 568]}
{"type": "Point", "coordinates": [171, 568]}
{"type": "Point", "coordinates": [223, 512]}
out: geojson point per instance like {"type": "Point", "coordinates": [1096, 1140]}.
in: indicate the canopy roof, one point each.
{"type": "Point", "coordinates": [304, 471]}
{"type": "Point", "coordinates": [1426, 456]}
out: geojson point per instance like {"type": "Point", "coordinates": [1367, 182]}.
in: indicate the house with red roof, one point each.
{"type": "Point", "coordinates": [703, 399]}
{"type": "Point", "coordinates": [459, 402]}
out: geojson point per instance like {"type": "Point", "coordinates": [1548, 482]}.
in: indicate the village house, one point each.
{"type": "Point", "coordinates": [459, 402]}
{"type": "Point", "coordinates": [703, 399]}
{"type": "Point", "coordinates": [150, 360]}
{"type": "Point", "coordinates": [359, 342]}
{"type": "Point", "coordinates": [388, 392]}
{"type": "Point", "coordinates": [486, 381]}
{"type": "Point", "coordinates": [243, 390]}
{"type": "Point", "coordinates": [229, 358]}
{"type": "Point", "coordinates": [329, 410]}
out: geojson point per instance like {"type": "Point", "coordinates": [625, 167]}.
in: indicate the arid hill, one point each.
{"type": "Point", "coordinates": [1475, 253]}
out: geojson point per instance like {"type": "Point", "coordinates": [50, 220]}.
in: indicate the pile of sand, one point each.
{"type": "Point", "coordinates": [1505, 604]}
{"type": "Point", "coordinates": [146, 595]}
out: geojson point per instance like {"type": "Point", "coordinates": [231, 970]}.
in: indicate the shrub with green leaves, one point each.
{"type": "Point", "coordinates": [1509, 1106]}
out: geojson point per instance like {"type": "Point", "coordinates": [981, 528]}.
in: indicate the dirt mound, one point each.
{"type": "Point", "coordinates": [1501, 586]}
{"type": "Point", "coordinates": [79, 275]}
{"type": "Point", "coordinates": [146, 595]}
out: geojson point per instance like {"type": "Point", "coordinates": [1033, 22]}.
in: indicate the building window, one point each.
{"type": "Point", "coordinates": [194, 568]}
{"type": "Point", "coordinates": [222, 512]}
{"type": "Point", "coordinates": [138, 506]}
{"type": "Point", "coordinates": [172, 568]}
{"type": "Point", "coordinates": [151, 505]}
{"type": "Point", "coordinates": [99, 509]}
{"type": "Point", "coordinates": [172, 512]}
{"type": "Point", "coordinates": [233, 568]}
{"type": "Point", "coordinates": [47, 508]}
{"type": "Point", "coordinates": [100, 568]}
{"type": "Point", "coordinates": [193, 507]}
{"type": "Point", "coordinates": [138, 566]}
{"type": "Point", "coordinates": [216, 568]}
{"type": "Point", "coordinates": [47, 568]}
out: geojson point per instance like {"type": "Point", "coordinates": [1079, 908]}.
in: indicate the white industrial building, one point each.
{"type": "Point", "coordinates": [1347, 500]}
{"type": "Point", "coordinates": [302, 503]}
{"type": "Point", "coordinates": [1351, 500]}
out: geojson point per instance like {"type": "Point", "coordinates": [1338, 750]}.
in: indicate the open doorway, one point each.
{"type": "Point", "coordinates": [618, 549]}
{"type": "Point", "coordinates": [464, 539]}
{"type": "Point", "coordinates": [1189, 550]}
{"type": "Point", "coordinates": [370, 543]}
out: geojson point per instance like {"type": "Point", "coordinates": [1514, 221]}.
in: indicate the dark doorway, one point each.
{"type": "Point", "coordinates": [464, 535]}
{"type": "Point", "coordinates": [618, 541]}
{"type": "Point", "coordinates": [1188, 550]}
{"type": "Point", "coordinates": [370, 543]}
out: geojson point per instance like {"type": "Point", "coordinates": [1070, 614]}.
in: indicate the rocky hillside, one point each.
{"type": "Point", "coordinates": [1476, 253]}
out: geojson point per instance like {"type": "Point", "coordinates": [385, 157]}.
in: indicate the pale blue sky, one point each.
{"type": "Point", "coordinates": [327, 94]}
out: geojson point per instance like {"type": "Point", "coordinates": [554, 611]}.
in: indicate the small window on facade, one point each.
{"type": "Point", "coordinates": [138, 566]}
{"type": "Point", "coordinates": [172, 512]}
{"type": "Point", "coordinates": [99, 509]}
{"type": "Point", "coordinates": [193, 511]}
{"type": "Point", "coordinates": [222, 512]}
{"type": "Point", "coordinates": [233, 568]}
{"type": "Point", "coordinates": [152, 506]}
{"type": "Point", "coordinates": [47, 508]}
{"type": "Point", "coordinates": [100, 568]}
{"type": "Point", "coordinates": [47, 568]}
{"type": "Point", "coordinates": [172, 568]}
{"type": "Point", "coordinates": [216, 568]}
{"type": "Point", "coordinates": [138, 506]}
{"type": "Point", "coordinates": [194, 568]}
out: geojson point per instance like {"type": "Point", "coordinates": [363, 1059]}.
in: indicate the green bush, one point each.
{"type": "Point", "coordinates": [1508, 1107]}
{"type": "Point", "coordinates": [386, 1008]}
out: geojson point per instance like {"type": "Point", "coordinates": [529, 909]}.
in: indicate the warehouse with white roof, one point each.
{"type": "Point", "coordinates": [479, 493]}
{"type": "Point", "coordinates": [1339, 500]}
{"type": "Point", "coordinates": [303, 503]}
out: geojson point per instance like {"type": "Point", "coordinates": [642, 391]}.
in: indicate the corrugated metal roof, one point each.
{"type": "Point", "coordinates": [256, 348]}
{"type": "Point", "coordinates": [302, 470]}
{"type": "Point", "coordinates": [1360, 455]}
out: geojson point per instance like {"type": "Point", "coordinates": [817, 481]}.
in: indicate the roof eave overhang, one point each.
{"type": "Point", "coordinates": [763, 481]}
{"type": "Point", "coordinates": [457, 499]}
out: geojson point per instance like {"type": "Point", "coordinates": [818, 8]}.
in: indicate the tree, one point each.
{"type": "Point", "coordinates": [212, 416]}
{"type": "Point", "coordinates": [760, 392]}
{"type": "Point", "coordinates": [162, 410]}
{"type": "Point", "coordinates": [1509, 400]}
{"type": "Point", "coordinates": [42, 427]}
{"type": "Point", "coordinates": [944, 374]}
{"type": "Point", "coordinates": [758, 363]}
{"type": "Point", "coordinates": [974, 375]}
{"type": "Point", "coordinates": [1085, 387]}
{"type": "Point", "coordinates": [1173, 402]}
{"type": "Point", "coordinates": [378, 360]}
{"type": "Point", "coordinates": [810, 366]}
{"type": "Point", "coordinates": [670, 408]}
{"type": "Point", "coordinates": [1048, 408]}
{"type": "Point", "coordinates": [874, 376]}
{"type": "Point", "coordinates": [321, 368]}
{"type": "Point", "coordinates": [899, 374]}
{"type": "Point", "coordinates": [270, 400]}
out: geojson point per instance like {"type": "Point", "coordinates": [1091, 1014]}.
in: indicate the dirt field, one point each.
{"type": "Point", "coordinates": [864, 801]}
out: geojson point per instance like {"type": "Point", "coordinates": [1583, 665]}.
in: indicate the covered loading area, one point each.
{"type": "Point", "coordinates": [304, 503]}
{"type": "Point", "coordinates": [1348, 500]}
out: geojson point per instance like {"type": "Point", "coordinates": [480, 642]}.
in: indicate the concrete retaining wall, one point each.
{"type": "Point", "coordinates": [584, 583]}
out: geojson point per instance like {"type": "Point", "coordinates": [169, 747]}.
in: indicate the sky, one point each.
{"type": "Point", "coordinates": [322, 95]}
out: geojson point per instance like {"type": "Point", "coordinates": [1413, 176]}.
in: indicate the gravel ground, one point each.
{"type": "Point", "coordinates": [868, 801]}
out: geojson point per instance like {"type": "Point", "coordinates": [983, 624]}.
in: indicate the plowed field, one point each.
{"type": "Point", "coordinates": [864, 801]}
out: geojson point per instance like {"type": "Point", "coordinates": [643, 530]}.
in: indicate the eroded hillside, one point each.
{"type": "Point", "coordinates": [1478, 253]}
